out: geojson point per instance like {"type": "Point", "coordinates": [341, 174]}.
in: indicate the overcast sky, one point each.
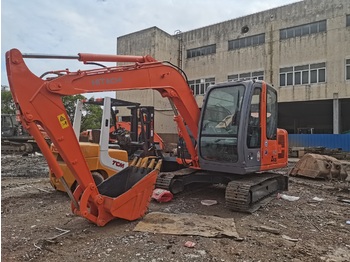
{"type": "Point", "coordinates": [68, 27]}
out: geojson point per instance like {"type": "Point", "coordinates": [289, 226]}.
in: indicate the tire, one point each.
{"type": "Point", "coordinates": [98, 178]}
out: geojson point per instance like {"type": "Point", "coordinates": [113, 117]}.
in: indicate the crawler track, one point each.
{"type": "Point", "coordinates": [247, 194]}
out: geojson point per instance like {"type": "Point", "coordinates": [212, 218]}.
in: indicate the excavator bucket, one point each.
{"type": "Point", "coordinates": [124, 195]}
{"type": "Point", "coordinates": [319, 166]}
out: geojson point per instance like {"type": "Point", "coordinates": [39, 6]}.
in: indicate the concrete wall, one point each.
{"type": "Point", "coordinates": [331, 47]}
{"type": "Point", "coordinates": [224, 62]}
{"type": "Point", "coordinates": [163, 47]}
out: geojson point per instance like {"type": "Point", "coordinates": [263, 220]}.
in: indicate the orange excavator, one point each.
{"type": "Point", "coordinates": [233, 139]}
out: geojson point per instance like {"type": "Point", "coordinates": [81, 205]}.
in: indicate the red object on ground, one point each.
{"type": "Point", "coordinates": [189, 244]}
{"type": "Point", "coordinates": [162, 195]}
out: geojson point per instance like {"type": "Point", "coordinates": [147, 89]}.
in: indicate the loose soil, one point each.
{"type": "Point", "coordinates": [33, 216]}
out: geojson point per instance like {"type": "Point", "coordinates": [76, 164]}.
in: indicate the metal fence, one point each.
{"type": "Point", "coordinates": [332, 141]}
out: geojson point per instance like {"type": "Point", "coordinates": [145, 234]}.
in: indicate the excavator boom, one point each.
{"type": "Point", "coordinates": [38, 101]}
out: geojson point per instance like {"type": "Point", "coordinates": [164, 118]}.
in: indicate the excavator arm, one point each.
{"type": "Point", "coordinates": [39, 101]}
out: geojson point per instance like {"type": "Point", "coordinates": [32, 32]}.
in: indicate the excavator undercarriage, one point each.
{"type": "Point", "coordinates": [15, 139]}
{"type": "Point", "coordinates": [244, 193]}
{"type": "Point", "coordinates": [17, 147]}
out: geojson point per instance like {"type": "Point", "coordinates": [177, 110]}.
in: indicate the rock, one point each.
{"type": "Point", "coordinates": [202, 252]}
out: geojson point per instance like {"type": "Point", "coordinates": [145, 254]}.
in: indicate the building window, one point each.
{"type": "Point", "coordinates": [347, 20]}
{"type": "Point", "coordinates": [318, 73]}
{"type": "Point", "coordinates": [258, 75]}
{"type": "Point", "coordinates": [301, 30]}
{"type": "Point", "coordinates": [285, 73]}
{"type": "Point", "coordinates": [303, 75]}
{"type": "Point", "coordinates": [200, 51]}
{"type": "Point", "coordinates": [247, 76]}
{"type": "Point", "coordinates": [347, 69]}
{"type": "Point", "coordinates": [200, 86]}
{"type": "Point", "coordinates": [253, 40]}
{"type": "Point", "coordinates": [232, 78]}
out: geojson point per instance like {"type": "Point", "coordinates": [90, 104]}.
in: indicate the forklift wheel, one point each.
{"type": "Point", "coordinates": [98, 178]}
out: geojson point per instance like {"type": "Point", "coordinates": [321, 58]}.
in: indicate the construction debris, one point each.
{"type": "Point", "coordinates": [319, 166]}
{"type": "Point", "coordinates": [268, 229]}
{"type": "Point", "coordinates": [290, 239]}
{"type": "Point", "coordinates": [344, 200]}
{"type": "Point", "coordinates": [188, 224]}
{"type": "Point", "coordinates": [287, 197]}
{"type": "Point", "coordinates": [189, 244]}
{"type": "Point", "coordinates": [209, 202]}
{"type": "Point", "coordinates": [318, 199]}
{"type": "Point", "coordinates": [162, 195]}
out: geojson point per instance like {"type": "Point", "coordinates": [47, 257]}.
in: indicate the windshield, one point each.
{"type": "Point", "coordinates": [220, 123]}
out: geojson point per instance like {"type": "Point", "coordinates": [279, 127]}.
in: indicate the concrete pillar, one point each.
{"type": "Point", "coordinates": [336, 114]}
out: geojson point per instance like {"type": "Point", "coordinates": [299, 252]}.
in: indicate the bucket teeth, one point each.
{"type": "Point", "coordinates": [134, 161]}
{"type": "Point", "coordinates": [151, 164]}
{"type": "Point", "coordinates": [144, 162]}
{"type": "Point", "coordinates": [159, 165]}
{"type": "Point", "coordinates": [139, 162]}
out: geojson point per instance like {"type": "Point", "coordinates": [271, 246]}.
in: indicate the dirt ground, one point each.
{"type": "Point", "coordinates": [33, 216]}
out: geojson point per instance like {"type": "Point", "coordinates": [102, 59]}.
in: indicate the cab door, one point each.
{"type": "Point", "coordinates": [268, 141]}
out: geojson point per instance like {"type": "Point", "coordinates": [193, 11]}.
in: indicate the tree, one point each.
{"type": "Point", "coordinates": [7, 104]}
{"type": "Point", "coordinates": [92, 114]}
{"type": "Point", "coordinates": [70, 104]}
{"type": "Point", "coordinates": [91, 118]}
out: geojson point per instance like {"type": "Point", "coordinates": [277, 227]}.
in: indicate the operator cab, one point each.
{"type": "Point", "coordinates": [238, 128]}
